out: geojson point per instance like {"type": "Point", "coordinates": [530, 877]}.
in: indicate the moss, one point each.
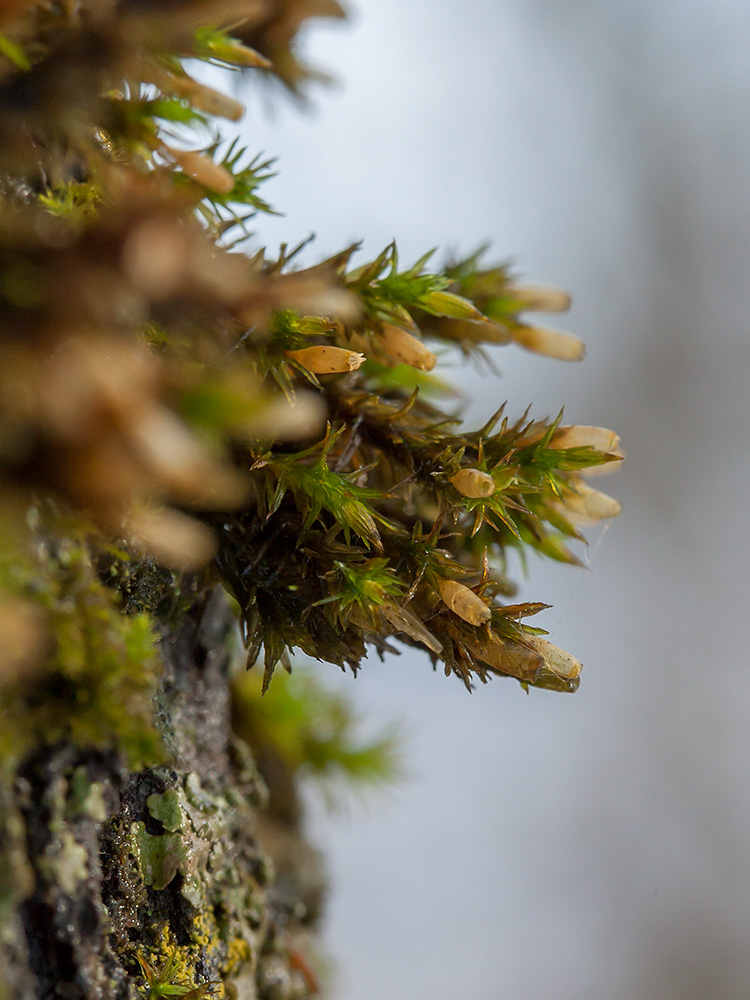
{"type": "Point", "coordinates": [144, 586]}
{"type": "Point", "coordinates": [304, 730]}
{"type": "Point", "coordinates": [99, 677]}
{"type": "Point", "coordinates": [169, 970]}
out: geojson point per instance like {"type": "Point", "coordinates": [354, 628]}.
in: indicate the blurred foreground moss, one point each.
{"type": "Point", "coordinates": [312, 732]}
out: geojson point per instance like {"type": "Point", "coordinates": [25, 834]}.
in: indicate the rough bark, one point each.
{"type": "Point", "coordinates": [163, 865]}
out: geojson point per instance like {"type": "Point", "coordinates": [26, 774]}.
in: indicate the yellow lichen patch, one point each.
{"type": "Point", "coordinates": [168, 968]}
{"type": "Point", "coordinates": [238, 953]}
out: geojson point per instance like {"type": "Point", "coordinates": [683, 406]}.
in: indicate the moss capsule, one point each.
{"type": "Point", "coordinates": [464, 602]}
{"type": "Point", "coordinates": [560, 663]}
{"type": "Point", "coordinates": [580, 436]}
{"type": "Point", "coordinates": [586, 505]}
{"type": "Point", "coordinates": [203, 169]}
{"type": "Point", "coordinates": [473, 483]}
{"type": "Point", "coordinates": [406, 348]}
{"type": "Point", "coordinates": [326, 359]}
{"type": "Point", "coordinates": [540, 298]}
{"type": "Point", "coordinates": [552, 343]}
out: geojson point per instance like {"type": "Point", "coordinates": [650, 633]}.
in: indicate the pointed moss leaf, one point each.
{"type": "Point", "coordinates": [367, 273]}
{"type": "Point", "coordinates": [318, 488]}
{"type": "Point", "coordinates": [555, 547]}
{"type": "Point", "coordinates": [14, 53]}
{"type": "Point", "coordinates": [442, 303]}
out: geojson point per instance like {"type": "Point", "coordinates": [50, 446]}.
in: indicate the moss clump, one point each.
{"type": "Point", "coordinates": [97, 683]}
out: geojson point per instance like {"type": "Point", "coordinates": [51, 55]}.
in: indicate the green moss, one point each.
{"type": "Point", "coordinates": [99, 678]}
{"type": "Point", "coordinates": [169, 971]}
{"type": "Point", "coordinates": [314, 731]}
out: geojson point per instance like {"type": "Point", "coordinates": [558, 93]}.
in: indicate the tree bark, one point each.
{"type": "Point", "coordinates": [120, 877]}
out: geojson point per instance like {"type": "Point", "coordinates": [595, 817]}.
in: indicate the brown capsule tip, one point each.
{"type": "Point", "coordinates": [243, 55]}
{"type": "Point", "coordinates": [607, 467]}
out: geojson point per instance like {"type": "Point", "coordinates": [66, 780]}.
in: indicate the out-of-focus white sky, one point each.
{"type": "Point", "coordinates": [557, 847]}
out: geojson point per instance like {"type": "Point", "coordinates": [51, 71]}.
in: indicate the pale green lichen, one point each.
{"type": "Point", "coordinates": [195, 853]}
{"type": "Point", "coordinates": [160, 856]}
{"type": "Point", "coordinates": [167, 808]}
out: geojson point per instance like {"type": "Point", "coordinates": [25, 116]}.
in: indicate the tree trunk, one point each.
{"type": "Point", "coordinates": [126, 884]}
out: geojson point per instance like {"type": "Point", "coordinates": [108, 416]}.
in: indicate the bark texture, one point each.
{"type": "Point", "coordinates": [117, 878]}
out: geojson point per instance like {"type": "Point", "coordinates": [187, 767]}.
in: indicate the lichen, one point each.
{"type": "Point", "coordinates": [167, 808]}
{"type": "Point", "coordinates": [189, 849]}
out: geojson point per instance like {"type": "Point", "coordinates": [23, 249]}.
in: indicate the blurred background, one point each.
{"type": "Point", "coordinates": [549, 846]}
